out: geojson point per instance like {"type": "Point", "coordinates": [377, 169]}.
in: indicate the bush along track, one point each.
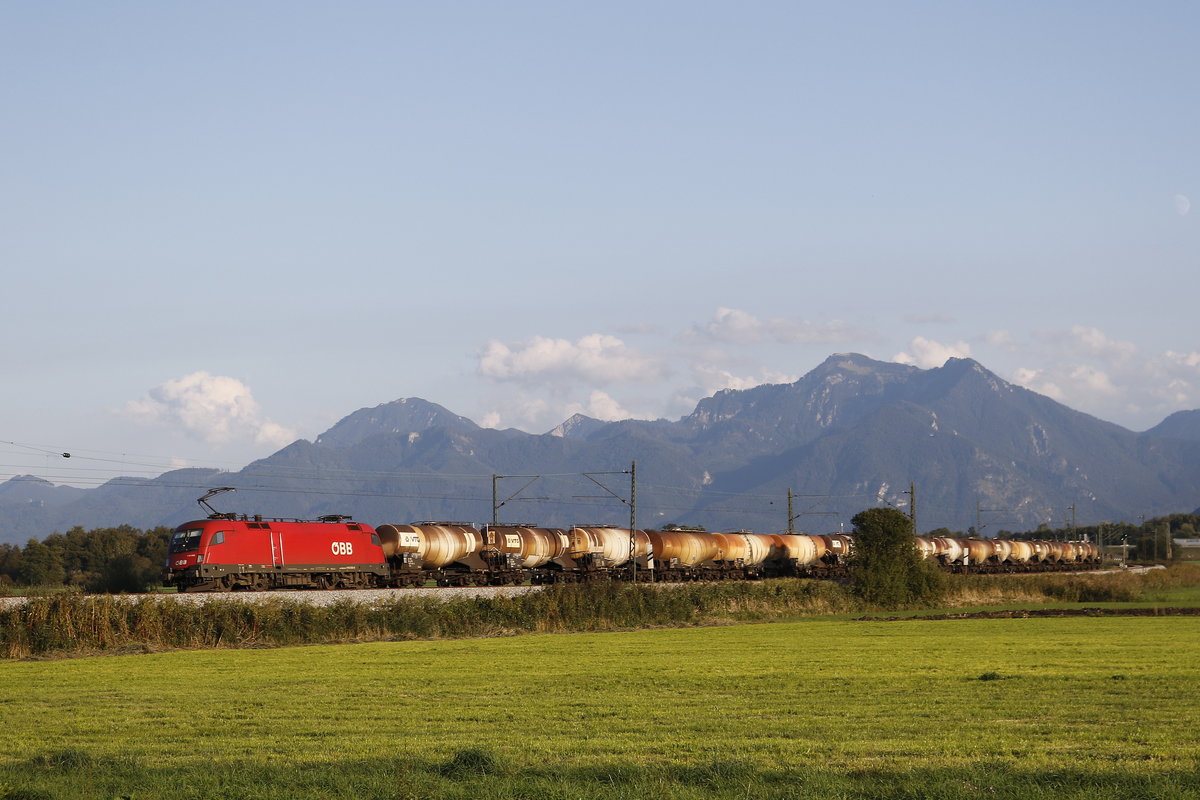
{"type": "Point", "coordinates": [71, 624]}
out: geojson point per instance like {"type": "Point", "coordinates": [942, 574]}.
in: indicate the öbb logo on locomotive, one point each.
{"type": "Point", "coordinates": [231, 552]}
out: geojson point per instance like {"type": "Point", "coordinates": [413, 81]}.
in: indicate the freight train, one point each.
{"type": "Point", "coordinates": [228, 552]}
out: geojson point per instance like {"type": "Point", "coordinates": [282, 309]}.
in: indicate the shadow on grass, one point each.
{"type": "Point", "coordinates": [479, 774]}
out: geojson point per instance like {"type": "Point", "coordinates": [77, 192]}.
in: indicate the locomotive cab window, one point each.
{"type": "Point", "coordinates": [217, 538]}
{"type": "Point", "coordinates": [185, 541]}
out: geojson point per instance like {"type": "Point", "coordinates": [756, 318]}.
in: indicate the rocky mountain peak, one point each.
{"type": "Point", "coordinates": [578, 426]}
{"type": "Point", "coordinates": [848, 433]}
{"type": "Point", "coordinates": [407, 415]}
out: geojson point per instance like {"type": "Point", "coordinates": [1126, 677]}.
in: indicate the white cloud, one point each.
{"type": "Point", "coordinates": [1186, 361]}
{"type": "Point", "coordinates": [1085, 342]}
{"type": "Point", "coordinates": [1037, 380]}
{"type": "Point", "coordinates": [1182, 205]}
{"type": "Point", "coordinates": [713, 379]}
{"type": "Point", "coordinates": [552, 378]}
{"type": "Point", "coordinates": [927, 354]}
{"type": "Point", "coordinates": [272, 433]}
{"type": "Point", "coordinates": [734, 326]}
{"type": "Point", "coordinates": [1087, 370]}
{"type": "Point", "coordinates": [214, 408]}
{"type": "Point", "coordinates": [540, 413]}
{"type": "Point", "coordinates": [600, 406]}
{"type": "Point", "coordinates": [1093, 380]}
{"type": "Point", "coordinates": [555, 373]}
{"type": "Point", "coordinates": [1001, 338]}
{"type": "Point", "coordinates": [519, 410]}
{"type": "Point", "coordinates": [597, 358]}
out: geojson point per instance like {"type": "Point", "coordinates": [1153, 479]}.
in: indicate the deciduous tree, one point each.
{"type": "Point", "coordinates": [886, 569]}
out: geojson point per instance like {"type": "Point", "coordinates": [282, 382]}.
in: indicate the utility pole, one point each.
{"type": "Point", "coordinates": [632, 473]}
{"type": "Point", "coordinates": [497, 505]}
{"type": "Point", "coordinates": [633, 518]}
{"type": "Point", "coordinates": [792, 516]}
{"type": "Point", "coordinates": [1071, 533]}
{"type": "Point", "coordinates": [980, 511]}
{"type": "Point", "coordinates": [912, 506]}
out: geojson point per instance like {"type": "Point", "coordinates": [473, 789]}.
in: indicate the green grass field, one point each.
{"type": "Point", "coordinates": [1077, 707]}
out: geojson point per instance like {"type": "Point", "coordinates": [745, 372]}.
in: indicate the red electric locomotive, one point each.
{"type": "Point", "coordinates": [230, 552]}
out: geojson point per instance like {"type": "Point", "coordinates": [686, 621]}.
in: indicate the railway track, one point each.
{"type": "Point", "coordinates": [331, 596]}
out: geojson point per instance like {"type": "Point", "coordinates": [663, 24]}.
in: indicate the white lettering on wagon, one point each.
{"type": "Point", "coordinates": [342, 548]}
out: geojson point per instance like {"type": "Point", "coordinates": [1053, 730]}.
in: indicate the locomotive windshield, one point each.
{"type": "Point", "coordinates": [185, 541]}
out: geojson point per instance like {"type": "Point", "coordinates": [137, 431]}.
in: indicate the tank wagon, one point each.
{"type": "Point", "coordinates": [990, 556]}
{"type": "Point", "coordinates": [227, 552]}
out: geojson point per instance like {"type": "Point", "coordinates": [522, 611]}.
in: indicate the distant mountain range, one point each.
{"type": "Point", "coordinates": [851, 434]}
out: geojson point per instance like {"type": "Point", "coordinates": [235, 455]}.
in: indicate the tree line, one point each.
{"type": "Point", "coordinates": [120, 559]}
{"type": "Point", "coordinates": [126, 559]}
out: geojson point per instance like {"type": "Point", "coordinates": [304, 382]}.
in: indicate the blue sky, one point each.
{"type": "Point", "coordinates": [228, 225]}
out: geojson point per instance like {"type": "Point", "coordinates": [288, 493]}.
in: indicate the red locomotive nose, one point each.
{"type": "Point", "coordinates": [183, 560]}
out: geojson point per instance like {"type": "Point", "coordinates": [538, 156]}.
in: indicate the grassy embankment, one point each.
{"type": "Point", "coordinates": [824, 708]}
{"type": "Point", "coordinates": [69, 624]}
